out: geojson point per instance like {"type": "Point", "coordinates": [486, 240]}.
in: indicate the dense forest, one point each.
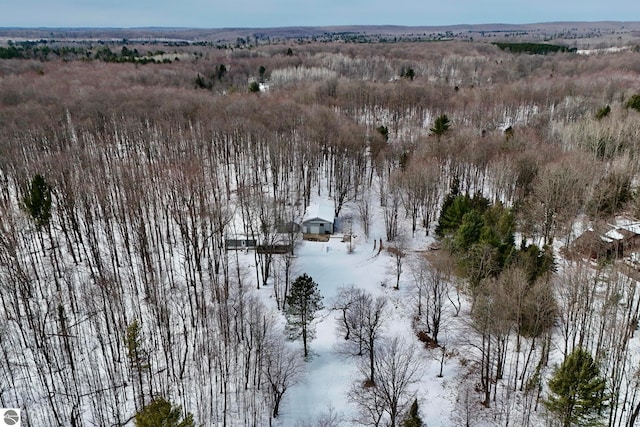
{"type": "Point", "coordinates": [123, 169]}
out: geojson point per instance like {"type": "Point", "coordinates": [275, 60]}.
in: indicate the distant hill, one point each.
{"type": "Point", "coordinates": [606, 30]}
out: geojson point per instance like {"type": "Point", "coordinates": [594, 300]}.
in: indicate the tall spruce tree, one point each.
{"type": "Point", "coordinates": [441, 125]}
{"type": "Point", "coordinates": [413, 417]}
{"type": "Point", "coordinates": [37, 201]}
{"type": "Point", "coordinates": [577, 391]}
{"type": "Point", "coordinates": [302, 303]}
{"type": "Point", "coordinates": [138, 357]}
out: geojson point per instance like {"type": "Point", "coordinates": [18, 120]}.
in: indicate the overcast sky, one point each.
{"type": "Point", "coordinates": [279, 13]}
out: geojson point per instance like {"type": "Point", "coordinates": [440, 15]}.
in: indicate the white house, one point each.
{"type": "Point", "coordinates": [318, 219]}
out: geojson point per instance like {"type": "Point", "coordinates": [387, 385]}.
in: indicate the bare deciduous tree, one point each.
{"type": "Point", "coordinates": [282, 369]}
{"type": "Point", "coordinates": [391, 208]}
{"type": "Point", "coordinates": [398, 251]}
{"type": "Point", "coordinates": [558, 195]}
{"type": "Point", "coordinates": [361, 322]}
{"type": "Point", "coordinates": [432, 282]}
{"type": "Point", "coordinates": [365, 214]}
{"type": "Point", "coordinates": [398, 368]}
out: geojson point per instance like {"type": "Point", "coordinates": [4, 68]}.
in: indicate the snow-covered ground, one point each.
{"type": "Point", "coordinates": [330, 374]}
{"type": "Point", "coordinates": [453, 398]}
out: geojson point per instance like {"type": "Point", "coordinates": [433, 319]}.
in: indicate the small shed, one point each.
{"type": "Point", "coordinates": [318, 219]}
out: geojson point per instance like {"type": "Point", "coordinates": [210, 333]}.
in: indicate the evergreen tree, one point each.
{"type": "Point", "coordinates": [454, 191]}
{"type": "Point", "coordinates": [135, 351]}
{"type": "Point", "coordinates": [161, 413]}
{"type": "Point", "coordinates": [407, 73]}
{"type": "Point", "coordinates": [302, 303]}
{"type": "Point", "coordinates": [138, 357]}
{"type": "Point", "coordinates": [577, 390]}
{"type": "Point", "coordinates": [202, 83]}
{"type": "Point", "coordinates": [441, 125]}
{"type": "Point", "coordinates": [413, 418]}
{"type": "Point", "coordinates": [469, 231]}
{"type": "Point", "coordinates": [633, 102]}
{"type": "Point", "coordinates": [37, 202]}
{"type": "Point", "coordinates": [221, 71]}
{"type": "Point", "coordinates": [603, 112]}
{"type": "Point", "coordinates": [535, 262]}
{"type": "Point", "coordinates": [254, 87]}
{"type": "Point", "coordinates": [384, 131]}
{"type": "Point", "coordinates": [453, 210]}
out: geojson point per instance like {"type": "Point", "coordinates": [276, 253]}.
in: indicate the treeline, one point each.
{"type": "Point", "coordinates": [534, 48]}
{"type": "Point", "coordinates": [44, 52]}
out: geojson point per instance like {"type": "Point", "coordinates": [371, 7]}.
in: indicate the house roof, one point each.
{"type": "Point", "coordinates": [322, 211]}
{"type": "Point", "coordinates": [630, 225]}
{"type": "Point", "coordinates": [612, 234]}
{"type": "Point", "coordinates": [622, 229]}
{"type": "Point", "coordinates": [239, 236]}
{"type": "Point", "coordinates": [592, 244]}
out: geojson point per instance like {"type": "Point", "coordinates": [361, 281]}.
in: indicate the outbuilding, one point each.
{"type": "Point", "coordinates": [617, 240]}
{"type": "Point", "coordinates": [240, 242]}
{"type": "Point", "coordinates": [318, 219]}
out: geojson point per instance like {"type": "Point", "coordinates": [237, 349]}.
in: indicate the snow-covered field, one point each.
{"type": "Point", "coordinates": [330, 374]}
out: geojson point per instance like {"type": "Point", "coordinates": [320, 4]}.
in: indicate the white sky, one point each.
{"type": "Point", "coordinates": [279, 13]}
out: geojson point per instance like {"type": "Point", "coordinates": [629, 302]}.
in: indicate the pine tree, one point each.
{"type": "Point", "coordinates": [254, 87]}
{"type": "Point", "coordinates": [603, 112]}
{"type": "Point", "coordinates": [452, 212]}
{"type": "Point", "coordinates": [577, 390]}
{"type": "Point", "coordinates": [633, 102]}
{"type": "Point", "coordinates": [469, 231]}
{"type": "Point", "coordinates": [440, 126]}
{"type": "Point", "coordinates": [413, 418]}
{"type": "Point", "coordinates": [407, 73]}
{"type": "Point", "coordinates": [135, 351]}
{"type": "Point", "coordinates": [221, 71]}
{"type": "Point", "coordinates": [37, 202]}
{"type": "Point", "coordinates": [384, 131]}
{"type": "Point", "coordinates": [302, 303]}
{"type": "Point", "coordinates": [138, 357]}
{"type": "Point", "coordinates": [161, 413]}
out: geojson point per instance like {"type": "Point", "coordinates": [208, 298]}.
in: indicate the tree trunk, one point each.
{"type": "Point", "coordinates": [634, 416]}
{"type": "Point", "coordinates": [304, 339]}
{"type": "Point", "coordinates": [277, 398]}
